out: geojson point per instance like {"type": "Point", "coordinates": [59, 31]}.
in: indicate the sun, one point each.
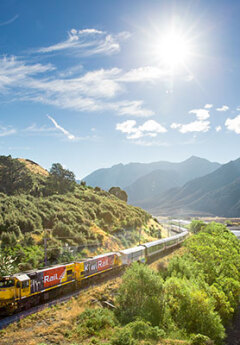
{"type": "Point", "coordinates": [172, 49]}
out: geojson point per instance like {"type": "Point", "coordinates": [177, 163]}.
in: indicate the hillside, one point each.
{"type": "Point", "coordinates": [144, 181]}
{"type": "Point", "coordinates": [216, 194]}
{"type": "Point", "coordinates": [79, 222]}
{"type": "Point", "coordinates": [34, 167]}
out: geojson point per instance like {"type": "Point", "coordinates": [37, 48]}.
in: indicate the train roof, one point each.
{"type": "Point", "coordinates": [21, 277]}
{"type": "Point", "coordinates": [100, 256]}
{"type": "Point", "coordinates": [155, 243]}
{"type": "Point", "coordinates": [132, 250]}
{"type": "Point", "coordinates": [163, 240]}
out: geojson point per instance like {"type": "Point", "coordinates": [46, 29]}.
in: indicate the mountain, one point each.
{"type": "Point", "coordinates": [217, 193]}
{"type": "Point", "coordinates": [152, 184]}
{"type": "Point", "coordinates": [125, 175]}
{"type": "Point", "coordinates": [121, 175]}
{"type": "Point", "coordinates": [147, 187]}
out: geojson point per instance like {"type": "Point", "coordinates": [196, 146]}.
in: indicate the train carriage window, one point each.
{"type": "Point", "coordinates": [25, 284]}
{"type": "Point", "coordinates": [6, 283]}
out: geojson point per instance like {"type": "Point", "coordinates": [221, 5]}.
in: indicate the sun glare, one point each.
{"type": "Point", "coordinates": [172, 49]}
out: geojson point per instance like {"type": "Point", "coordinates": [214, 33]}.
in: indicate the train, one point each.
{"type": "Point", "coordinates": [26, 289]}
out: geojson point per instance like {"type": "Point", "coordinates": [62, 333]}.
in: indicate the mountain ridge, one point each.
{"type": "Point", "coordinates": [123, 175]}
{"type": "Point", "coordinates": [217, 193]}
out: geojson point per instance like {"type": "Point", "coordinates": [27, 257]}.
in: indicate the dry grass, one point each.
{"type": "Point", "coordinates": [51, 325]}
{"type": "Point", "coordinates": [34, 167]}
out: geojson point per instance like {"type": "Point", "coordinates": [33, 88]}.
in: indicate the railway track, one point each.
{"type": "Point", "coordinates": [5, 321]}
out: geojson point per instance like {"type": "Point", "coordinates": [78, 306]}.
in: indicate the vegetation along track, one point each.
{"type": "Point", "coordinates": [109, 275]}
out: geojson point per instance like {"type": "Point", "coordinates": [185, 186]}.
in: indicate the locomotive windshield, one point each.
{"type": "Point", "coordinates": [4, 283]}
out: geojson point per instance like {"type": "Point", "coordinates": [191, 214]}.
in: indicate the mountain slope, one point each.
{"type": "Point", "coordinates": [124, 175]}
{"type": "Point", "coordinates": [143, 190]}
{"type": "Point", "coordinates": [217, 193]}
{"type": "Point", "coordinates": [152, 184]}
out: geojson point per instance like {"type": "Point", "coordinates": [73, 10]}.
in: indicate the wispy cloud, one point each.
{"type": "Point", "coordinates": [144, 74]}
{"type": "Point", "coordinates": [63, 130]}
{"type": "Point", "coordinates": [4, 131]}
{"type": "Point", "coordinates": [223, 108]}
{"type": "Point", "coordinates": [149, 128]}
{"type": "Point", "coordinates": [15, 73]}
{"type": "Point", "coordinates": [9, 21]}
{"type": "Point", "coordinates": [34, 129]}
{"type": "Point", "coordinates": [233, 124]}
{"type": "Point", "coordinates": [91, 91]}
{"type": "Point", "coordinates": [218, 129]}
{"type": "Point", "coordinates": [88, 42]}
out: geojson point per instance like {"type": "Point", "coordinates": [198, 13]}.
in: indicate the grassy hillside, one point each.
{"type": "Point", "coordinates": [77, 223]}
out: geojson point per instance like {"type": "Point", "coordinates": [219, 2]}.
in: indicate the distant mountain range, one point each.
{"type": "Point", "coordinates": [192, 187]}
{"type": "Point", "coordinates": [217, 193]}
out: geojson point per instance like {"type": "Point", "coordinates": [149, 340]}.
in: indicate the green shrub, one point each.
{"type": "Point", "coordinates": [123, 336]}
{"type": "Point", "coordinates": [141, 292]}
{"type": "Point", "coordinates": [141, 329]}
{"type": "Point", "coordinates": [91, 321]}
{"type": "Point", "coordinates": [8, 239]}
{"type": "Point", "coordinates": [200, 339]}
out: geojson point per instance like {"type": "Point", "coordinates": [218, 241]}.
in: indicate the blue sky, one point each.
{"type": "Point", "coordinates": [94, 83]}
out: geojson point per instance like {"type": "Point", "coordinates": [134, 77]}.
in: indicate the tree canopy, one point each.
{"type": "Point", "coordinates": [119, 193]}
{"type": "Point", "coordinates": [60, 180]}
{"type": "Point", "coordinates": [15, 178]}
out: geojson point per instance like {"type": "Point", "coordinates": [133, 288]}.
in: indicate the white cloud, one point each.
{"type": "Point", "coordinates": [152, 126]}
{"type": "Point", "coordinates": [14, 73]}
{"type": "Point", "coordinates": [86, 92]}
{"type": "Point", "coordinates": [64, 131]}
{"type": "Point", "coordinates": [133, 108]}
{"type": "Point", "coordinates": [223, 108]}
{"type": "Point", "coordinates": [208, 106]}
{"type": "Point", "coordinates": [126, 126]}
{"type": "Point", "coordinates": [201, 114]}
{"type": "Point", "coordinates": [149, 128]}
{"type": "Point", "coordinates": [143, 74]}
{"type": "Point", "coordinates": [87, 32]}
{"type": "Point", "coordinates": [4, 132]}
{"type": "Point", "coordinates": [233, 124]}
{"type": "Point", "coordinates": [196, 126]}
{"type": "Point", "coordinates": [218, 129]}
{"type": "Point", "coordinates": [175, 125]}
{"type": "Point", "coordinates": [88, 42]}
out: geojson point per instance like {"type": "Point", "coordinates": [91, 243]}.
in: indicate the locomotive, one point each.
{"type": "Point", "coordinates": [24, 290]}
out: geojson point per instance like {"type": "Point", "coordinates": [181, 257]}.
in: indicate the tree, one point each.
{"type": "Point", "coordinates": [60, 180]}
{"type": "Point", "coordinates": [196, 226]}
{"type": "Point", "coordinates": [119, 193]}
{"type": "Point", "coordinates": [6, 265]}
{"type": "Point", "coordinates": [140, 295]}
{"type": "Point", "coordinates": [15, 178]}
